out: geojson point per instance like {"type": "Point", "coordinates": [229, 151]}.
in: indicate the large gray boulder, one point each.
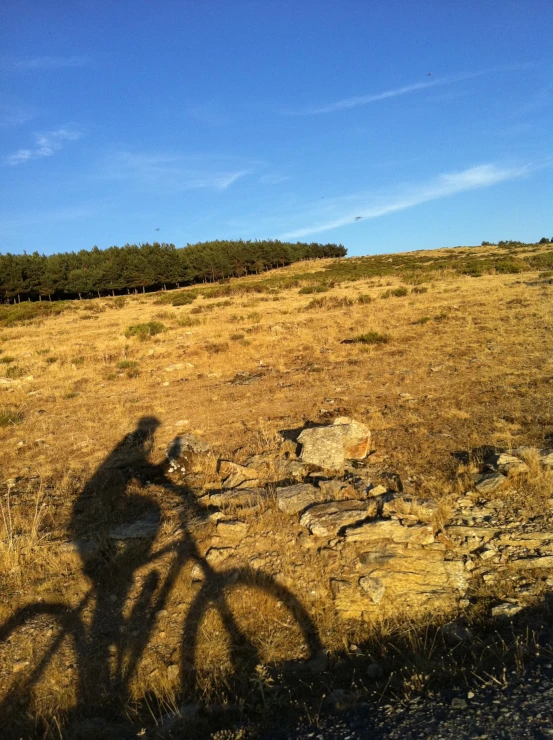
{"type": "Point", "coordinates": [329, 447]}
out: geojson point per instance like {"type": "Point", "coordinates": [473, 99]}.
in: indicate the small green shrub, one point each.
{"type": "Point", "coordinates": [395, 293]}
{"type": "Point", "coordinates": [14, 371]}
{"type": "Point", "coordinates": [236, 337]}
{"type": "Point", "coordinates": [51, 360]}
{"type": "Point", "coordinates": [183, 299]}
{"type": "Point", "coordinates": [370, 337]}
{"type": "Point", "coordinates": [145, 331]}
{"type": "Point", "coordinates": [419, 289]}
{"type": "Point", "coordinates": [215, 348]}
{"type": "Point", "coordinates": [188, 321]}
{"type": "Point", "coordinates": [70, 395]}
{"type": "Point", "coordinates": [118, 302]}
{"type": "Point", "coordinates": [7, 359]}
{"type": "Point", "coordinates": [329, 303]}
{"type": "Point", "coordinates": [78, 361]}
{"type": "Point", "coordinates": [127, 364]}
{"type": "Point", "coordinates": [440, 317]}
{"type": "Point", "coordinates": [9, 417]}
{"type": "Point", "coordinates": [308, 289]}
{"type": "Point", "coordinates": [364, 299]}
{"type": "Point", "coordinates": [254, 316]}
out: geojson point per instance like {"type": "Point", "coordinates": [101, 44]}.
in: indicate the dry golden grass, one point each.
{"type": "Point", "coordinates": [468, 363]}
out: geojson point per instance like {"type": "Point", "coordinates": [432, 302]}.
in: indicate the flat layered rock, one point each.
{"type": "Point", "coordinates": [391, 530]}
{"type": "Point", "coordinates": [395, 579]}
{"type": "Point", "coordinates": [147, 526]}
{"type": "Point", "coordinates": [330, 446]}
{"type": "Point", "coordinates": [489, 482]}
{"type": "Point", "coordinates": [545, 561]}
{"type": "Point", "coordinates": [506, 463]}
{"type": "Point", "coordinates": [235, 475]}
{"type": "Point", "coordinates": [293, 499]}
{"type": "Point", "coordinates": [232, 529]}
{"type": "Point", "coordinates": [409, 507]}
{"type": "Point", "coordinates": [326, 520]}
{"type": "Point", "coordinates": [242, 497]}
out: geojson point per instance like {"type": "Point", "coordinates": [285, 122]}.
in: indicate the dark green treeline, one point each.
{"type": "Point", "coordinates": [145, 267]}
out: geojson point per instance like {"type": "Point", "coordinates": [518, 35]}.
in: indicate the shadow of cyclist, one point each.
{"type": "Point", "coordinates": [122, 527]}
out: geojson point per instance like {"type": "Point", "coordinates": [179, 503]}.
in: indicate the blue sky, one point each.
{"type": "Point", "coordinates": [309, 120]}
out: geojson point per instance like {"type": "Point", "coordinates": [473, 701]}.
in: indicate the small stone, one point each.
{"type": "Point", "coordinates": [20, 666]}
{"type": "Point", "coordinates": [374, 671]}
{"type": "Point", "coordinates": [506, 610]}
{"type": "Point", "coordinates": [173, 672]}
{"type": "Point", "coordinates": [373, 587]}
{"type": "Point", "coordinates": [458, 703]}
{"type": "Point", "coordinates": [319, 662]}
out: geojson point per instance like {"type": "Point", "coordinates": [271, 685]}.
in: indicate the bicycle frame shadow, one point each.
{"type": "Point", "coordinates": [110, 646]}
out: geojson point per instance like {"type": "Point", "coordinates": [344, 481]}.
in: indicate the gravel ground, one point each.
{"type": "Point", "coordinates": [521, 709]}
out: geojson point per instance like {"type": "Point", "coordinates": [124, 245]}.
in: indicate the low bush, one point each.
{"type": "Point", "coordinates": [145, 331]}
{"type": "Point", "coordinates": [188, 321]}
{"type": "Point", "coordinates": [370, 337]}
{"type": "Point", "coordinates": [419, 289]}
{"type": "Point", "coordinates": [14, 371]}
{"type": "Point", "coordinates": [329, 303]}
{"type": "Point", "coordinates": [422, 320]}
{"type": "Point", "coordinates": [364, 298]}
{"type": "Point", "coordinates": [9, 417]}
{"type": "Point", "coordinates": [308, 289]}
{"type": "Point", "coordinates": [395, 293]}
{"type": "Point", "coordinates": [7, 359]}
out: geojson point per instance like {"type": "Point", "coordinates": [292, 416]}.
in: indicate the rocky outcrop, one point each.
{"type": "Point", "coordinates": [382, 551]}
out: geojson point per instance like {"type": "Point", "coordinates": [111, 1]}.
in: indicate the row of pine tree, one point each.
{"type": "Point", "coordinates": [145, 267]}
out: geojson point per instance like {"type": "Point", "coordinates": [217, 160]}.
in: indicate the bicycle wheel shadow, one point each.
{"type": "Point", "coordinates": [114, 527]}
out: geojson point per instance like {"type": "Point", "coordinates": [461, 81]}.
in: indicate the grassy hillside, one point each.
{"type": "Point", "coordinates": [436, 361]}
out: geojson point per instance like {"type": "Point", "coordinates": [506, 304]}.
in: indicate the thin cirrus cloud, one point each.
{"type": "Point", "coordinates": [363, 206]}
{"type": "Point", "coordinates": [174, 173]}
{"type": "Point", "coordinates": [45, 62]}
{"type": "Point", "coordinates": [360, 100]}
{"type": "Point", "coordinates": [45, 145]}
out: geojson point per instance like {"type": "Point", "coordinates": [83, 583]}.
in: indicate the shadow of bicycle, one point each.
{"type": "Point", "coordinates": [114, 530]}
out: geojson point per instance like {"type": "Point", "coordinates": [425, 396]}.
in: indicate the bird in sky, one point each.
{"type": "Point", "coordinates": [358, 218]}
{"type": "Point", "coordinates": [156, 229]}
{"type": "Point", "coordinates": [429, 74]}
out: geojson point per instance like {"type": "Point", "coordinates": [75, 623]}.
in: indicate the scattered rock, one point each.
{"type": "Point", "coordinates": [235, 475]}
{"type": "Point", "coordinates": [489, 482]}
{"type": "Point", "coordinates": [319, 662]}
{"type": "Point", "coordinates": [374, 671]}
{"type": "Point", "coordinates": [147, 526]}
{"type": "Point", "coordinates": [326, 520]}
{"type": "Point", "coordinates": [232, 529]}
{"type": "Point", "coordinates": [376, 532]}
{"type": "Point", "coordinates": [293, 499]}
{"type": "Point", "coordinates": [506, 610]}
{"type": "Point", "coordinates": [456, 632]}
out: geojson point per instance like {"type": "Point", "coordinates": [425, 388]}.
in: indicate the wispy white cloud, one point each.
{"type": "Point", "coordinates": [45, 146]}
{"type": "Point", "coordinates": [44, 62]}
{"type": "Point", "coordinates": [429, 84]}
{"type": "Point", "coordinates": [273, 179]}
{"type": "Point", "coordinates": [364, 206]}
{"type": "Point", "coordinates": [173, 172]}
{"type": "Point", "coordinates": [14, 113]}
